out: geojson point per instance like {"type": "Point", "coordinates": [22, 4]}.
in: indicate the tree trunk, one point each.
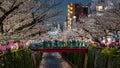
{"type": "Point", "coordinates": [117, 39]}
{"type": "Point", "coordinates": [1, 29]}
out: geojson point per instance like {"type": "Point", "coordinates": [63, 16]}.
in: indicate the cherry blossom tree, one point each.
{"type": "Point", "coordinates": [26, 18]}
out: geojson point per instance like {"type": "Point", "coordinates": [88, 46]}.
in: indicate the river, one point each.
{"type": "Point", "coordinates": [53, 60]}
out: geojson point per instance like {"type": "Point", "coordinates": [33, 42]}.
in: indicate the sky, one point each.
{"type": "Point", "coordinates": [66, 2]}
{"type": "Point", "coordinates": [77, 1]}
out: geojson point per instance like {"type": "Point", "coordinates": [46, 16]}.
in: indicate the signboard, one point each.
{"type": "Point", "coordinates": [99, 8]}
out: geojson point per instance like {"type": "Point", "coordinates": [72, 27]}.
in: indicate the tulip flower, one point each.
{"type": "Point", "coordinates": [2, 48]}
{"type": "Point", "coordinates": [109, 43]}
{"type": "Point", "coordinates": [20, 44]}
{"type": "Point", "coordinates": [94, 42]}
{"type": "Point", "coordinates": [29, 43]}
{"type": "Point", "coordinates": [119, 43]}
{"type": "Point", "coordinates": [14, 47]}
{"type": "Point", "coordinates": [9, 45]}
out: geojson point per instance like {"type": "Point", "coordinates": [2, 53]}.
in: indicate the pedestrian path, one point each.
{"type": "Point", "coordinates": [53, 60]}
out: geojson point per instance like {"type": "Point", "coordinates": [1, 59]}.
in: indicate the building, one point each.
{"type": "Point", "coordinates": [119, 4]}
{"type": "Point", "coordinates": [79, 11]}
{"type": "Point", "coordinates": [71, 13]}
{"type": "Point", "coordinates": [102, 5]}
{"type": "Point", "coordinates": [74, 12]}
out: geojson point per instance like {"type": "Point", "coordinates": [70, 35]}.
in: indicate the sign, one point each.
{"type": "Point", "coordinates": [99, 8]}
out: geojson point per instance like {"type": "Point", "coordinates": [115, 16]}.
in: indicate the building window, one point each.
{"type": "Point", "coordinates": [119, 5]}
{"type": "Point", "coordinates": [102, 1]}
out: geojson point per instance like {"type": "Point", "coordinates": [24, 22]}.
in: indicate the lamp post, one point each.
{"type": "Point", "coordinates": [74, 17]}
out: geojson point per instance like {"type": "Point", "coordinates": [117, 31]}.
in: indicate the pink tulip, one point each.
{"type": "Point", "coordinates": [24, 44]}
{"type": "Point", "coordinates": [16, 45]}
{"type": "Point", "coordinates": [103, 43]}
{"type": "Point", "coordinates": [119, 43]}
{"type": "Point", "coordinates": [28, 43]}
{"type": "Point", "coordinates": [109, 43]}
{"type": "Point", "coordinates": [94, 42]}
{"type": "Point", "coordinates": [114, 43]}
{"type": "Point", "coordinates": [2, 48]}
{"type": "Point", "coordinates": [9, 45]}
{"type": "Point", "coordinates": [20, 44]}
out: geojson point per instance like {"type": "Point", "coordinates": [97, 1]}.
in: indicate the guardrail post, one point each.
{"type": "Point", "coordinates": [34, 60]}
{"type": "Point", "coordinates": [85, 60]}
{"type": "Point", "coordinates": [95, 56]}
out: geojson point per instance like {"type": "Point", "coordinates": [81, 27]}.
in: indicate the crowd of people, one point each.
{"type": "Point", "coordinates": [73, 44]}
{"type": "Point", "coordinates": [59, 44]}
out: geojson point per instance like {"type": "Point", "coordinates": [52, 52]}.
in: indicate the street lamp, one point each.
{"type": "Point", "coordinates": [74, 17]}
{"type": "Point", "coordinates": [74, 21]}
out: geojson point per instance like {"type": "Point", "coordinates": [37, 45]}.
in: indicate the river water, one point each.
{"type": "Point", "coordinates": [53, 60]}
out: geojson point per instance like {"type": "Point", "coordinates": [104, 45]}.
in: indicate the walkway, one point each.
{"type": "Point", "coordinates": [53, 60]}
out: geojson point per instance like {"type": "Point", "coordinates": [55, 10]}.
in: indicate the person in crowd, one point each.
{"type": "Point", "coordinates": [71, 45]}
{"type": "Point", "coordinates": [61, 43]}
{"type": "Point", "coordinates": [77, 43]}
{"type": "Point", "coordinates": [56, 43]}
{"type": "Point", "coordinates": [65, 43]}
{"type": "Point", "coordinates": [84, 43]}
{"type": "Point", "coordinates": [45, 43]}
{"type": "Point", "coordinates": [103, 42]}
{"type": "Point", "coordinates": [53, 43]}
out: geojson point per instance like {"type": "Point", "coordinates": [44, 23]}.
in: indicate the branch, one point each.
{"type": "Point", "coordinates": [10, 11]}
{"type": "Point", "coordinates": [53, 14]}
{"type": "Point", "coordinates": [3, 10]}
{"type": "Point", "coordinates": [24, 26]}
{"type": "Point", "coordinates": [30, 24]}
{"type": "Point", "coordinates": [13, 4]}
{"type": "Point", "coordinates": [88, 32]}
